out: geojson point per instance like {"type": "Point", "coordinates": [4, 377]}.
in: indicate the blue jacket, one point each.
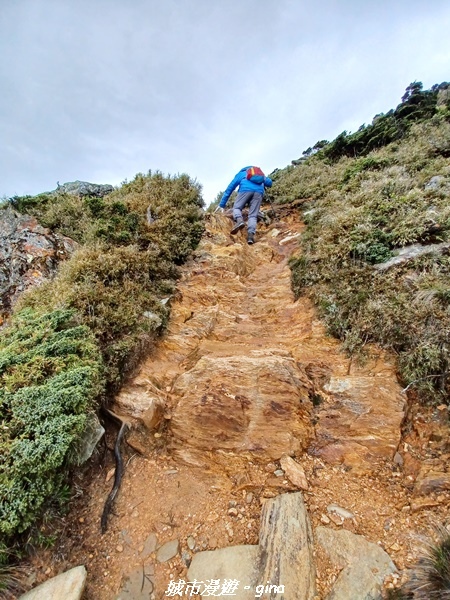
{"type": "Point", "coordinates": [245, 185]}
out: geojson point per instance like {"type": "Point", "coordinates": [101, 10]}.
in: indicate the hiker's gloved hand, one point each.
{"type": "Point", "coordinates": [219, 209]}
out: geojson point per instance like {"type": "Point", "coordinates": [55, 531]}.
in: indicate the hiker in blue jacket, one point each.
{"type": "Point", "coordinates": [251, 182]}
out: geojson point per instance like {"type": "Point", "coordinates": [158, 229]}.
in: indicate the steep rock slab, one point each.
{"type": "Point", "coordinates": [364, 565]}
{"type": "Point", "coordinates": [67, 586]}
{"type": "Point", "coordinates": [286, 548]}
{"type": "Point", "coordinates": [360, 420]}
{"type": "Point", "coordinates": [258, 403]}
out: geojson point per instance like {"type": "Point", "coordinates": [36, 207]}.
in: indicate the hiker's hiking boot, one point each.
{"type": "Point", "coordinates": [238, 226]}
{"type": "Point", "coordinates": [251, 238]}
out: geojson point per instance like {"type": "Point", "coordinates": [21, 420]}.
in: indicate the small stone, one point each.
{"type": "Point", "coordinates": [81, 519]}
{"type": "Point", "coordinates": [337, 520]}
{"type": "Point", "coordinates": [395, 547]}
{"type": "Point", "coordinates": [279, 473]}
{"type": "Point", "coordinates": [294, 472]}
{"type": "Point", "coordinates": [186, 558]}
{"type": "Point", "coordinates": [190, 542]}
{"type": "Point", "coordinates": [110, 474]}
{"type": "Point", "coordinates": [249, 498]}
{"type": "Point", "coordinates": [119, 548]}
{"type": "Point", "coordinates": [233, 512]}
{"type": "Point", "coordinates": [398, 459]}
{"type": "Point", "coordinates": [167, 551]}
{"type": "Point", "coordinates": [325, 520]}
{"type": "Point", "coordinates": [341, 512]}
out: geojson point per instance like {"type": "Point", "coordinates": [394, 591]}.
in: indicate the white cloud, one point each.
{"type": "Point", "coordinates": [102, 89]}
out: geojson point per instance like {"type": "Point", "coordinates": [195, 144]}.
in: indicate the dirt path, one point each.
{"type": "Point", "coordinates": [245, 375]}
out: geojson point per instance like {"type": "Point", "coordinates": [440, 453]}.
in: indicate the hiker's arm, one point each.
{"type": "Point", "coordinates": [230, 189]}
{"type": "Point", "coordinates": [267, 182]}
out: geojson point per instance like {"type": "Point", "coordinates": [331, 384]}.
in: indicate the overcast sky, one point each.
{"type": "Point", "coordinates": [99, 90]}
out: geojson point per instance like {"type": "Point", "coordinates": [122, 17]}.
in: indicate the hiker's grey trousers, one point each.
{"type": "Point", "coordinates": [253, 199]}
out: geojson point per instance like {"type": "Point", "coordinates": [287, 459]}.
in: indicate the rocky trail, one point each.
{"type": "Point", "coordinates": [247, 409]}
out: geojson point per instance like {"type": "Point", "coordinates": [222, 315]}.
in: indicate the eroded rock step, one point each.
{"type": "Point", "coordinates": [245, 368]}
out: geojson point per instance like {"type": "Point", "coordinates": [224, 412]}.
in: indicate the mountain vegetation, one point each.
{"type": "Point", "coordinates": [367, 196]}
{"type": "Point", "coordinates": [72, 341]}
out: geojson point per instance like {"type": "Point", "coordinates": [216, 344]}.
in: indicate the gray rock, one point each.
{"type": "Point", "coordinates": [29, 254]}
{"type": "Point", "coordinates": [139, 585]}
{"type": "Point", "coordinates": [286, 548]}
{"type": "Point", "coordinates": [167, 551]}
{"type": "Point", "coordinates": [67, 586]}
{"type": "Point", "coordinates": [84, 188]}
{"type": "Point", "coordinates": [234, 563]}
{"type": "Point", "coordinates": [409, 252]}
{"type": "Point", "coordinates": [152, 316]}
{"type": "Point", "coordinates": [364, 565]}
{"type": "Point", "coordinates": [398, 459]}
{"type": "Point", "coordinates": [283, 561]}
{"type": "Point", "coordinates": [186, 558]}
{"type": "Point", "coordinates": [93, 433]}
{"type": "Point", "coordinates": [149, 545]}
{"type": "Point", "coordinates": [435, 182]}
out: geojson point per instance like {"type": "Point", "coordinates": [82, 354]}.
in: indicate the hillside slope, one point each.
{"type": "Point", "coordinates": [245, 375]}
{"type": "Point", "coordinates": [375, 252]}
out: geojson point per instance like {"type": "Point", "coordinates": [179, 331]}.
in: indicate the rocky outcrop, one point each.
{"type": "Point", "coordinates": [84, 188]}
{"type": "Point", "coordinates": [359, 420]}
{"type": "Point", "coordinates": [281, 566]}
{"type": "Point", "coordinates": [363, 565]}
{"type": "Point", "coordinates": [403, 255]}
{"type": "Point", "coordinates": [29, 255]}
{"type": "Point", "coordinates": [256, 403]}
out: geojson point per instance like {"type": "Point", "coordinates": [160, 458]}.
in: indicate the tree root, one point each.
{"type": "Point", "coordinates": [119, 470]}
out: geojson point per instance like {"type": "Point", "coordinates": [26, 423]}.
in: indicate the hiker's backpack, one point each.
{"type": "Point", "coordinates": [255, 175]}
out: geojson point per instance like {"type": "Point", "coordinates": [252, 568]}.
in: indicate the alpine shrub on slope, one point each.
{"type": "Point", "coordinates": [135, 239]}
{"type": "Point", "coordinates": [51, 375]}
{"type": "Point", "coordinates": [362, 210]}
{"type": "Point", "coordinates": [76, 337]}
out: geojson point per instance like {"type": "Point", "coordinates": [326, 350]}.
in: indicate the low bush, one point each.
{"type": "Point", "coordinates": [51, 376]}
{"type": "Point", "coordinates": [73, 340]}
{"type": "Point", "coordinates": [359, 212]}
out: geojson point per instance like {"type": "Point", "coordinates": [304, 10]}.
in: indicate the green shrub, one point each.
{"type": "Point", "coordinates": [360, 211]}
{"type": "Point", "coordinates": [51, 376]}
{"type": "Point", "coordinates": [126, 265]}
{"type": "Point", "coordinates": [76, 338]}
{"type": "Point", "coordinates": [429, 578]}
